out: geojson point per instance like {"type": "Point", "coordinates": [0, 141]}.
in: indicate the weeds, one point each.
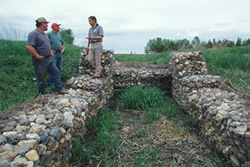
{"type": "Point", "coordinates": [145, 157]}
{"type": "Point", "coordinates": [140, 98]}
{"type": "Point", "coordinates": [153, 102]}
{"type": "Point", "coordinates": [105, 144]}
{"type": "Point", "coordinates": [141, 133]}
{"type": "Point", "coordinates": [158, 58]}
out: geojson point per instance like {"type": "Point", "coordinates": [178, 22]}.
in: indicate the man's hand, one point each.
{"type": "Point", "coordinates": [32, 50]}
{"type": "Point", "coordinates": [39, 57]}
{"type": "Point", "coordinates": [62, 51]}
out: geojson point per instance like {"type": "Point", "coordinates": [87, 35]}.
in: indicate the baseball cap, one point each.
{"type": "Point", "coordinates": [54, 25]}
{"type": "Point", "coordinates": [41, 20]}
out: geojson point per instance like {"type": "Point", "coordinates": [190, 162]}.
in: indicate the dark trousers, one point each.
{"type": "Point", "coordinates": [57, 58]}
{"type": "Point", "coordinates": [42, 67]}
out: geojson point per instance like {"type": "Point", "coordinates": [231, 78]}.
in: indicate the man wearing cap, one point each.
{"type": "Point", "coordinates": [57, 48]}
{"type": "Point", "coordinates": [94, 47]}
{"type": "Point", "coordinates": [39, 46]}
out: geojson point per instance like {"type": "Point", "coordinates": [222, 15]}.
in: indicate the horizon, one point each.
{"type": "Point", "coordinates": [15, 35]}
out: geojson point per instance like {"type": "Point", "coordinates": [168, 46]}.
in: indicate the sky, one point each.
{"type": "Point", "coordinates": [129, 24]}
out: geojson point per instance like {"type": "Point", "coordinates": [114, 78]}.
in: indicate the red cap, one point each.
{"type": "Point", "coordinates": [54, 25]}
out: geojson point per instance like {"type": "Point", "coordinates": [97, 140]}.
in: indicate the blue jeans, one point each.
{"type": "Point", "coordinates": [57, 58]}
{"type": "Point", "coordinates": [42, 67]}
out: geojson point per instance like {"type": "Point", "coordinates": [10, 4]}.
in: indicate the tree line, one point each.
{"type": "Point", "coordinates": [67, 36]}
{"type": "Point", "coordinates": [158, 45]}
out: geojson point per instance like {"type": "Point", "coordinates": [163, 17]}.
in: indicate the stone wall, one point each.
{"type": "Point", "coordinates": [128, 77]}
{"type": "Point", "coordinates": [40, 133]}
{"type": "Point", "coordinates": [223, 116]}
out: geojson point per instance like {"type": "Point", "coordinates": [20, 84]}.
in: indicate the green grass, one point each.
{"type": "Point", "coordinates": [153, 101]}
{"type": "Point", "coordinates": [145, 157]}
{"type": "Point", "coordinates": [142, 98]}
{"type": "Point", "coordinates": [104, 143]}
{"type": "Point", "coordinates": [147, 99]}
{"type": "Point", "coordinates": [158, 58]}
{"type": "Point", "coordinates": [17, 79]}
{"type": "Point", "coordinates": [233, 64]}
{"type": "Point", "coordinates": [229, 58]}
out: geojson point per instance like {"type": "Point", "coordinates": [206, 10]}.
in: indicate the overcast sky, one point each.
{"type": "Point", "coordinates": [129, 24]}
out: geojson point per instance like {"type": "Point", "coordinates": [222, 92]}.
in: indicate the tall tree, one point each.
{"type": "Point", "coordinates": [196, 42]}
{"type": "Point", "coordinates": [239, 42]}
{"type": "Point", "coordinates": [67, 36]}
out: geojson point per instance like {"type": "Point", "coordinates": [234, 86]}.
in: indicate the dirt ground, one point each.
{"type": "Point", "coordinates": [174, 144]}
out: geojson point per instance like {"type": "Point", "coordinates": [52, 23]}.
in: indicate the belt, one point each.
{"type": "Point", "coordinates": [95, 42]}
{"type": "Point", "coordinates": [47, 56]}
{"type": "Point", "coordinates": [57, 51]}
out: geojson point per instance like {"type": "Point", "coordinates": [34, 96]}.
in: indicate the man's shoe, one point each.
{"type": "Point", "coordinates": [94, 77]}
{"type": "Point", "coordinates": [102, 72]}
{"type": "Point", "coordinates": [60, 92]}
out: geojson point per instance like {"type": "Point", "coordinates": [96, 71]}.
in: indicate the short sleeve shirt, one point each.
{"type": "Point", "coordinates": [94, 32]}
{"type": "Point", "coordinates": [40, 41]}
{"type": "Point", "coordinates": [56, 40]}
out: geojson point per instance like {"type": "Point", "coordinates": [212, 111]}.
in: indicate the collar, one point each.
{"type": "Point", "coordinates": [96, 25]}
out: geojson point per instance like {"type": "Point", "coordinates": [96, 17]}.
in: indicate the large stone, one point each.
{"type": "Point", "coordinates": [35, 128]}
{"type": "Point", "coordinates": [19, 161]}
{"type": "Point", "coordinates": [29, 143]}
{"type": "Point", "coordinates": [234, 160]}
{"type": "Point", "coordinates": [69, 118]}
{"type": "Point", "coordinates": [55, 132]}
{"type": "Point", "coordinates": [10, 134]}
{"type": "Point", "coordinates": [22, 149]}
{"type": "Point", "coordinates": [32, 155]}
{"type": "Point", "coordinates": [241, 130]}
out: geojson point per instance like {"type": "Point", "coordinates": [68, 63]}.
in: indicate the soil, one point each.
{"type": "Point", "coordinates": [174, 144]}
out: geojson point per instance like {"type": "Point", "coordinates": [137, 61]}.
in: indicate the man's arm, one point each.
{"type": "Point", "coordinates": [63, 47]}
{"type": "Point", "coordinates": [97, 38]}
{"type": "Point", "coordinates": [32, 50]}
{"type": "Point", "coordinates": [87, 48]}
